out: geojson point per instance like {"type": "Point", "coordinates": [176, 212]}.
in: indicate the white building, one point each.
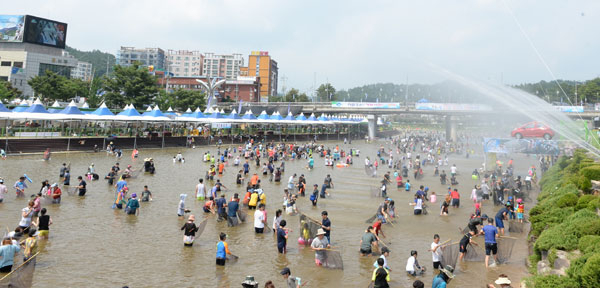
{"type": "Point", "coordinates": [183, 63]}
{"type": "Point", "coordinates": [145, 56]}
{"type": "Point", "coordinates": [20, 62]}
{"type": "Point", "coordinates": [83, 71]}
{"type": "Point", "coordinates": [225, 66]}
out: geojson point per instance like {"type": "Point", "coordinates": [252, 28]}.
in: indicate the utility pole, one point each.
{"type": "Point", "coordinates": [107, 60]}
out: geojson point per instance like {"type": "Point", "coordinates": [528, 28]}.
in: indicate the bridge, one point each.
{"type": "Point", "coordinates": [375, 110]}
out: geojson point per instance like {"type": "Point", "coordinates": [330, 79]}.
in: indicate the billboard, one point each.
{"type": "Point", "coordinates": [576, 109]}
{"type": "Point", "coordinates": [452, 107]}
{"type": "Point", "coordinates": [45, 32]}
{"type": "Point", "coordinates": [378, 105]}
{"type": "Point", "coordinates": [12, 28]}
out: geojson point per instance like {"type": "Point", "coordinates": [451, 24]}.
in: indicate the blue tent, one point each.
{"type": "Point", "coordinates": [322, 118]}
{"type": "Point", "coordinates": [37, 107]}
{"type": "Point", "coordinates": [215, 115]}
{"type": "Point", "coordinates": [3, 108]}
{"type": "Point", "coordinates": [20, 108]}
{"type": "Point", "coordinates": [71, 110]}
{"type": "Point", "coordinates": [129, 112]}
{"type": "Point", "coordinates": [170, 112]}
{"type": "Point", "coordinates": [423, 100]}
{"type": "Point", "coordinates": [196, 114]}
{"type": "Point", "coordinates": [102, 111]}
{"type": "Point", "coordinates": [263, 116]}
{"type": "Point", "coordinates": [312, 118]}
{"type": "Point", "coordinates": [289, 117]}
{"type": "Point", "coordinates": [148, 111]}
{"type": "Point", "coordinates": [301, 117]}
{"type": "Point", "coordinates": [249, 115]}
{"type": "Point", "coordinates": [55, 110]}
{"type": "Point", "coordinates": [234, 115]}
{"type": "Point", "coordinates": [276, 116]}
{"type": "Point", "coordinates": [155, 113]}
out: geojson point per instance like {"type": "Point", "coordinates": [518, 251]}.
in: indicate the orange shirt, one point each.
{"type": "Point", "coordinates": [254, 179]}
{"type": "Point", "coordinates": [221, 167]}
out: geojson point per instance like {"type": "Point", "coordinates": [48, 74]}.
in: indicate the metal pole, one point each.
{"type": "Point", "coordinates": [135, 139]}
{"type": "Point", "coordinates": [163, 136]}
{"type": "Point", "coordinates": [6, 134]}
{"type": "Point", "coordinates": [68, 140]}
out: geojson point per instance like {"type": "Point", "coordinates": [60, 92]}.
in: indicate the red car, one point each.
{"type": "Point", "coordinates": [533, 130]}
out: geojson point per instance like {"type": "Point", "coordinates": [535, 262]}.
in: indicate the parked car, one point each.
{"type": "Point", "coordinates": [533, 130]}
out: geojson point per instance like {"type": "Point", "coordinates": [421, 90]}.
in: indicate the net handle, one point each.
{"type": "Point", "coordinates": [34, 255]}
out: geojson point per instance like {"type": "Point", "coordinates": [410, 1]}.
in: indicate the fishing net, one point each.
{"type": "Point", "coordinates": [372, 219]}
{"type": "Point", "coordinates": [449, 255]}
{"type": "Point", "coordinates": [505, 248]}
{"type": "Point", "coordinates": [20, 277]}
{"type": "Point", "coordinates": [474, 254]}
{"type": "Point", "coordinates": [231, 258]}
{"type": "Point", "coordinates": [47, 200]}
{"type": "Point", "coordinates": [72, 190]}
{"type": "Point", "coordinates": [515, 227]}
{"type": "Point", "coordinates": [333, 260]}
{"type": "Point", "coordinates": [242, 214]}
{"type": "Point", "coordinates": [201, 227]}
{"type": "Point", "coordinates": [370, 170]}
{"type": "Point", "coordinates": [375, 191]}
{"type": "Point", "coordinates": [308, 227]}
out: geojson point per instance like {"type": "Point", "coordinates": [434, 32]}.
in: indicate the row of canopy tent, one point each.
{"type": "Point", "coordinates": [37, 112]}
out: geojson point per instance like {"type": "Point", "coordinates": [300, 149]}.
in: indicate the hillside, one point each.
{"type": "Point", "coordinates": [96, 57]}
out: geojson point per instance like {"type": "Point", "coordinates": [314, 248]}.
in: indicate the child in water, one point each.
{"type": "Point", "coordinates": [181, 208]}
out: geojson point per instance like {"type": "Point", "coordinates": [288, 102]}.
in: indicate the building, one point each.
{"type": "Point", "coordinates": [83, 71]}
{"type": "Point", "coordinates": [223, 66]}
{"type": "Point", "coordinates": [145, 56]}
{"type": "Point", "coordinates": [239, 89]}
{"type": "Point", "coordinates": [261, 65]}
{"type": "Point", "coordinates": [29, 47]}
{"type": "Point", "coordinates": [183, 63]}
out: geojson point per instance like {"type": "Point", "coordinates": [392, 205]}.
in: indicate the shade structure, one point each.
{"type": "Point", "coordinates": [323, 118]}
{"type": "Point", "coordinates": [129, 114]}
{"type": "Point", "coordinates": [311, 117]}
{"type": "Point", "coordinates": [3, 108]}
{"type": "Point", "coordinates": [263, 117]}
{"type": "Point", "coordinates": [248, 116]}
{"type": "Point", "coordinates": [71, 109]}
{"type": "Point", "coordinates": [55, 110]}
{"type": "Point", "coordinates": [170, 112]}
{"type": "Point", "coordinates": [103, 111]}
{"type": "Point", "coordinates": [155, 115]}
{"type": "Point", "coordinates": [216, 115]}
{"type": "Point", "coordinates": [276, 116]}
{"type": "Point", "coordinates": [234, 117]}
{"type": "Point", "coordinates": [85, 105]}
{"type": "Point", "coordinates": [56, 104]}
{"type": "Point", "coordinates": [37, 107]}
{"type": "Point", "coordinates": [20, 108]}
{"type": "Point", "coordinates": [147, 111]}
{"type": "Point", "coordinates": [196, 116]}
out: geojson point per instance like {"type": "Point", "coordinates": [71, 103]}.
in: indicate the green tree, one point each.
{"type": "Point", "coordinates": [92, 98]}
{"type": "Point", "coordinates": [51, 86]}
{"type": "Point", "coordinates": [7, 92]}
{"type": "Point", "coordinates": [294, 95]}
{"type": "Point", "coordinates": [130, 85]}
{"type": "Point", "coordinates": [590, 90]}
{"type": "Point", "coordinates": [326, 93]}
{"type": "Point", "coordinates": [181, 99]}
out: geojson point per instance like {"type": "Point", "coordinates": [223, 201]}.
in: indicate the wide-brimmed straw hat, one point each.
{"type": "Point", "coordinates": [320, 232]}
{"type": "Point", "coordinates": [449, 271]}
{"type": "Point", "coordinates": [502, 281]}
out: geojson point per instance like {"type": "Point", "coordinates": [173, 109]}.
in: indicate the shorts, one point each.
{"type": "Point", "coordinates": [317, 261]}
{"type": "Point", "coordinates": [486, 196]}
{"type": "Point", "coordinates": [82, 192]}
{"type": "Point", "coordinates": [6, 269]}
{"type": "Point", "coordinates": [520, 216]}
{"type": "Point", "coordinates": [259, 230]}
{"type": "Point", "coordinates": [418, 211]}
{"type": "Point", "coordinates": [367, 251]}
{"type": "Point", "coordinates": [43, 233]}
{"type": "Point", "coordinates": [281, 248]}
{"type": "Point", "coordinates": [473, 228]}
{"type": "Point", "coordinates": [205, 209]}
{"type": "Point", "coordinates": [462, 249]}
{"type": "Point", "coordinates": [493, 247]}
{"type": "Point", "coordinates": [36, 213]}
{"type": "Point", "coordinates": [56, 200]}
{"type": "Point", "coordinates": [221, 261]}
{"type": "Point", "coordinates": [499, 222]}
{"type": "Point", "coordinates": [120, 206]}
{"type": "Point", "coordinates": [1, 200]}
{"type": "Point", "coordinates": [456, 202]}
{"type": "Point", "coordinates": [200, 198]}
{"type": "Point", "coordinates": [437, 265]}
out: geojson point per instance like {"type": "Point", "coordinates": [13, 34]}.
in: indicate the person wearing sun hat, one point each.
{"type": "Point", "coordinates": [249, 282]}
{"type": "Point", "coordinates": [503, 281]}
{"type": "Point", "coordinates": [319, 244]}
{"type": "Point", "coordinates": [442, 279]}
{"type": "Point", "coordinates": [189, 231]}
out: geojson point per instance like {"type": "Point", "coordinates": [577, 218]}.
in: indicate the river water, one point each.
{"type": "Point", "coordinates": [93, 245]}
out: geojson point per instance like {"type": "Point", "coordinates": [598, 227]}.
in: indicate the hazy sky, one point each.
{"type": "Point", "coordinates": [351, 43]}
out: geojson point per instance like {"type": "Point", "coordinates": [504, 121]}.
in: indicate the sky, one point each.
{"type": "Point", "coordinates": [352, 43]}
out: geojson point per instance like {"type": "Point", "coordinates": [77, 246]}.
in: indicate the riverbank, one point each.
{"type": "Point", "coordinates": [565, 226]}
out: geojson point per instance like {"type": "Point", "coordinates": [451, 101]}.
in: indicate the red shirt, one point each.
{"type": "Point", "coordinates": [377, 227]}
{"type": "Point", "coordinates": [455, 195]}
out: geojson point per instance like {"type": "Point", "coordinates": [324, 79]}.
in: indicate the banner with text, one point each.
{"type": "Point", "coordinates": [452, 107]}
{"type": "Point", "coordinates": [372, 105]}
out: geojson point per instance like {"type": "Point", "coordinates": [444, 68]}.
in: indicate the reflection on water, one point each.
{"type": "Point", "coordinates": [92, 243]}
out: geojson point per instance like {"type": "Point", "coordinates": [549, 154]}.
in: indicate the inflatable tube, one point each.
{"type": "Point", "coordinates": [27, 177]}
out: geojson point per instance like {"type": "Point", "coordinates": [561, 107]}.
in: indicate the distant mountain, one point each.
{"type": "Point", "coordinates": [96, 57]}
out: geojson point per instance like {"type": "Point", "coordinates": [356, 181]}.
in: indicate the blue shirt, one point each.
{"type": "Point", "coordinates": [221, 250]}
{"type": "Point", "coordinates": [502, 211]}
{"type": "Point", "coordinates": [490, 233]}
{"type": "Point", "coordinates": [407, 186]}
{"type": "Point", "coordinates": [246, 167]}
{"type": "Point", "coordinates": [220, 202]}
{"type": "Point", "coordinates": [232, 208]}
{"type": "Point", "coordinates": [438, 282]}
{"type": "Point", "coordinates": [121, 184]}
{"type": "Point", "coordinates": [281, 241]}
{"type": "Point", "coordinates": [8, 254]}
